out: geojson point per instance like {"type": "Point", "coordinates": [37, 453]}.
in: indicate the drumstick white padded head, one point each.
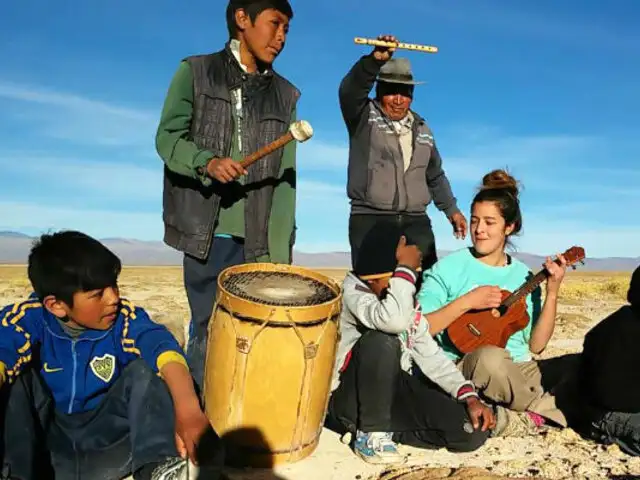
{"type": "Point", "coordinates": [301, 130]}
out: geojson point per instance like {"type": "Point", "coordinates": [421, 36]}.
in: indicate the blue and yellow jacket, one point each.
{"type": "Point", "coordinates": [80, 370]}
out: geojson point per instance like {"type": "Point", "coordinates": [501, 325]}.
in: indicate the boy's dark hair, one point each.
{"type": "Point", "coordinates": [633, 295]}
{"type": "Point", "coordinates": [253, 8]}
{"type": "Point", "coordinates": [67, 262]}
{"type": "Point", "coordinates": [377, 252]}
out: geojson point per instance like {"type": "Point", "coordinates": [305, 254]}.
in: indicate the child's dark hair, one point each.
{"type": "Point", "coordinates": [502, 189]}
{"type": "Point", "coordinates": [253, 8]}
{"type": "Point", "coordinates": [633, 295]}
{"type": "Point", "coordinates": [67, 262]}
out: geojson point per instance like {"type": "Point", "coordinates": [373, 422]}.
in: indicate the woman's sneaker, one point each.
{"type": "Point", "coordinates": [516, 424]}
{"type": "Point", "coordinates": [377, 447]}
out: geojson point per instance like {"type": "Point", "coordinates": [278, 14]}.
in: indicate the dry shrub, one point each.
{"type": "Point", "coordinates": [595, 288]}
{"type": "Point", "coordinates": [573, 319]}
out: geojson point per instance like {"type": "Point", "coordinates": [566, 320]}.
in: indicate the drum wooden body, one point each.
{"type": "Point", "coordinates": [268, 368]}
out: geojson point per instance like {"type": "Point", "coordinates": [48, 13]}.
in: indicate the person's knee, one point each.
{"type": "Point", "coordinates": [468, 440]}
{"type": "Point", "coordinates": [623, 429]}
{"type": "Point", "coordinates": [379, 343]}
{"type": "Point", "coordinates": [485, 362]}
{"type": "Point", "coordinates": [473, 441]}
{"type": "Point", "coordinates": [139, 372]}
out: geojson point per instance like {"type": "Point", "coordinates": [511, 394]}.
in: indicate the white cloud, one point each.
{"type": "Point", "coordinates": [322, 217]}
{"type": "Point", "coordinates": [472, 156]}
{"type": "Point", "coordinates": [86, 176]}
{"type": "Point", "coordinates": [68, 101]}
{"type": "Point", "coordinates": [547, 236]}
{"type": "Point", "coordinates": [319, 155]}
{"type": "Point", "coordinates": [82, 120]}
{"type": "Point", "coordinates": [468, 152]}
{"type": "Point", "coordinates": [315, 190]}
{"type": "Point", "coordinates": [101, 223]}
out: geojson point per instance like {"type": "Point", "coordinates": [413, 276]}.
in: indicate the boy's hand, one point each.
{"type": "Point", "coordinates": [191, 422]}
{"type": "Point", "coordinates": [409, 255]}
{"type": "Point", "coordinates": [479, 412]}
{"type": "Point", "coordinates": [189, 429]}
{"type": "Point", "coordinates": [383, 54]}
{"type": "Point", "coordinates": [225, 170]}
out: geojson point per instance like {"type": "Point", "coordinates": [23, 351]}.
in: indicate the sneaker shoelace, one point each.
{"type": "Point", "coordinates": [382, 442]}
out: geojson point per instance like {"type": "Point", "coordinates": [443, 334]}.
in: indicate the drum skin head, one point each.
{"type": "Point", "coordinates": [278, 288]}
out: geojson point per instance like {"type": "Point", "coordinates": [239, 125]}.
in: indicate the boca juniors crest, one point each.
{"type": "Point", "coordinates": [103, 367]}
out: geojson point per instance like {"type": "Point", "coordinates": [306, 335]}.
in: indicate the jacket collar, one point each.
{"type": "Point", "coordinates": [53, 325]}
{"type": "Point", "coordinates": [236, 72]}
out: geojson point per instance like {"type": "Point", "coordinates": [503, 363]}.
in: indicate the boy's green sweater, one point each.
{"type": "Point", "coordinates": [184, 157]}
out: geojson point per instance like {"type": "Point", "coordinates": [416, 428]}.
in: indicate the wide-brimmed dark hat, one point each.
{"type": "Point", "coordinates": [397, 70]}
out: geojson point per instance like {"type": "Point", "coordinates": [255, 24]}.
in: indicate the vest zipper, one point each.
{"type": "Point", "coordinates": [228, 147]}
{"type": "Point", "coordinates": [73, 379]}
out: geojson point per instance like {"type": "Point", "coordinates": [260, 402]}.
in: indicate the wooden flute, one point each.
{"type": "Point", "coordinates": [406, 46]}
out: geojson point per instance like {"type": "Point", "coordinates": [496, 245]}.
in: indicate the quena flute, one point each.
{"type": "Point", "coordinates": [406, 46]}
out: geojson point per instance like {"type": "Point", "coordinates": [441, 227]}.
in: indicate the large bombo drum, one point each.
{"type": "Point", "coordinates": [270, 355]}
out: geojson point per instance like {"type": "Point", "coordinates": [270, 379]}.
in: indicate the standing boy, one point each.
{"type": "Point", "coordinates": [219, 108]}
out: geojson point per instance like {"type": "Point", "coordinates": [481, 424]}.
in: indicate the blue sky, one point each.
{"type": "Point", "coordinates": [548, 89]}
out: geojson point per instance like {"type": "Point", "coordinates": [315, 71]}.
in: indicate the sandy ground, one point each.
{"type": "Point", "coordinates": [586, 298]}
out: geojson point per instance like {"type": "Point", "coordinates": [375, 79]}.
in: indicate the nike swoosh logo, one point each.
{"type": "Point", "coordinates": [47, 369]}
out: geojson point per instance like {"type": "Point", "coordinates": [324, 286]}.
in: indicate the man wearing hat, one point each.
{"type": "Point", "coordinates": [395, 169]}
{"type": "Point", "coordinates": [221, 107]}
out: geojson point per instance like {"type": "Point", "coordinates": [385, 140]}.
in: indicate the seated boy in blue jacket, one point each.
{"type": "Point", "coordinates": [92, 388]}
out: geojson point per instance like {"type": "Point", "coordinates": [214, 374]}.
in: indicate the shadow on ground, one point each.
{"type": "Point", "coordinates": [213, 451]}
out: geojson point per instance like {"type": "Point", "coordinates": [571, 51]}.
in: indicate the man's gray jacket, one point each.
{"type": "Point", "coordinates": [377, 181]}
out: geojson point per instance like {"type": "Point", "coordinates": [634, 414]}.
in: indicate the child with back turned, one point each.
{"type": "Point", "coordinates": [609, 377]}
{"type": "Point", "coordinates": [392, 383]}
{"type": "Point", "coordinates": [92, 388]}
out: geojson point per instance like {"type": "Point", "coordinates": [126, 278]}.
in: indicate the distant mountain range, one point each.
{"type": "Point", "coordinates": [14, 249]}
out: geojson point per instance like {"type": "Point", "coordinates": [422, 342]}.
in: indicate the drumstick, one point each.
{"type": "Point", "coordinates": [300, 131]}
{"type": "Point", "coordinates": [406, 46]}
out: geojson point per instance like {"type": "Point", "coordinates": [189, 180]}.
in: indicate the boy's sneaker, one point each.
{"type": "Point", "coordinates": [377, 447]}
{"type": "Point", "coordinates": [174, 469]}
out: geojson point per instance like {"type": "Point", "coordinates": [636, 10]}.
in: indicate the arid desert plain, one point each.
{"type": "Point", "coordinates": [586, 298]}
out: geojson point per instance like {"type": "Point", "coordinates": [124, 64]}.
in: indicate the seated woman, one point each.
{"type": "Point", "coordinates": [472, 278]}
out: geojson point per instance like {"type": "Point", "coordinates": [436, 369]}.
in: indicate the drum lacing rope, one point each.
{"type": "Point", "coordinates": [243, 345]}
{"type": "Point", "coordinates": [309, 354]}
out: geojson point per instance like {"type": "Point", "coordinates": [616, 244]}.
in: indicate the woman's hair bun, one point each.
{"type": "Point", "coordinates": [500, 180]}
